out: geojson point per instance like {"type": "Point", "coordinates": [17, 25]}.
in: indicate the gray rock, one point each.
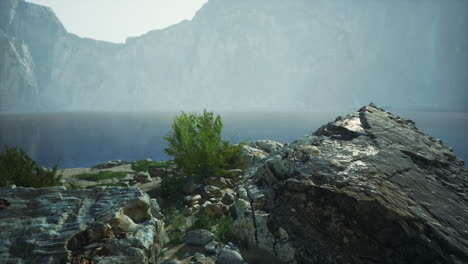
{"type": "Point", "coordinates": [228, 199]}
{"type": "Point", "coordinates": [229, 256]}
{"type": "Point", "coordinates": [142, 177]}
{"type": "Point", "coordinates": [199, 237]}
{"type": "Point", "coordinates": [368, 176]}
{"type": "Point", "coordinates": [215, 210]}
{"type": "Point", "coordinates": [198, 256]}
{"type": "Point", "coordinates": [233, 247]}
{"type": "Point", "coordinates": [110, 164]}
{"type": "Point", "coordinates": [209, 191]}
{"type": "Point", "coordinates": [210, 248]}
{"type": "Point", "coordinates": [219, 182]}
{"type": "Point", "coordinates": [49, 225]}
{"type": "Point", "coordinates": [192, 199]}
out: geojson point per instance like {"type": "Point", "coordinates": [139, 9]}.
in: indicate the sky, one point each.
{"type": "Point", "coordinates": [115, 20]}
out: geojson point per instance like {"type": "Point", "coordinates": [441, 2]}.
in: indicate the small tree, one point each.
{"type": "Point", "coordinates": [196, 145]}
{"type": "Point", "coordinates": [16, 167]}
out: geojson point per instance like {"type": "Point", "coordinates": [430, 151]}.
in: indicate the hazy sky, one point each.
{"type": "Point", "coordinates": [115, 20]}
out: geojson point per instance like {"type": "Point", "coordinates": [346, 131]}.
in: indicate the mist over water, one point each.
{"type": "Point", "coordinates": [86, 139]}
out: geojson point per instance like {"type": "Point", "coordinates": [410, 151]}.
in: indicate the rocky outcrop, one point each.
{"type": "Point", "coordinates": [366, 188]}
{"type": "Point", "coordinates": [97, 225]}
{"type": "Point", "coordinates": [227, 57]}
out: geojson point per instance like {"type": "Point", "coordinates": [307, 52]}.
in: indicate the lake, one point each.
{"type": "Point", "coordinates": [86, 139]}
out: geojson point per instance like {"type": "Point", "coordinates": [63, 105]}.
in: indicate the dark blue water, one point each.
{"type": "Point", "coordinates": [86, 139]}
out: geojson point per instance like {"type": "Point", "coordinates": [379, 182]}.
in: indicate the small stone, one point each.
{"type": "Point", "coordinates": [215, 210]}
{"type": "Point", "coordinates": [229, 256]}
{"type": "Point", "coordinates": [142, 177]}
{"type": "Point", "coordinates": [210, 248]}
{"type": "Point", "coordinates": [233, 247]}
{"type": "Point", "coordinates": [210, 191]}
{"type": "Point", "coordinates": [228, 199]}
{"type": "Point", "coordinates": [198, 256]}
{"type": "Point", "coordinates": [192, 199]}
{"type": "Point", "coordinates": [188, 212]}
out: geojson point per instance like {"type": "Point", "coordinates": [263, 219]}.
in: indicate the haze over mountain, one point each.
{"type": "Point", "coordinates": [244, 55]}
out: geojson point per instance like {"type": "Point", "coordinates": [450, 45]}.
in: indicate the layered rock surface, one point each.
{"type": "Point", "coordinates": [366, 188]}
{"type": "Point", "coordinates": [97, 225]}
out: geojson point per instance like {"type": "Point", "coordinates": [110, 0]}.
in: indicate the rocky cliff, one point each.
{"type": "Point", "coordinates": [234, 53]}
{"type": "Point", "coordinates": [366, 188]}
{"type": "Point", "coordinates": [98, 225]}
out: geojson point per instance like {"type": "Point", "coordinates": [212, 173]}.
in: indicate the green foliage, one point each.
{"type": "Point", "coordinates": [220, 227]}
{"type": "Point", "coordinates": [16, 167]}
{"type": "Point", "coordinates": [143, 165]}
{"type": "Point", "coordinates": [233, 156]}
{"type": "Point", "coordinates": [102, 175]}
{"type": "Point", "coordinates": [223, 229]}
{"type": "Point", "coordinates": [205, 222]}
{"type": "Point", "coordinates": [176, 219]}
{"type": "Point", "coordinates": [177, 224]}
{"type": "Point", "coordinates": [171, 185]}
{"type": "Point", "coordinates": [196, 145]}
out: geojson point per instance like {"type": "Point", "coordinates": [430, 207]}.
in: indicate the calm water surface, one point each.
{"type": "Point", "coordinates": [86, 139]}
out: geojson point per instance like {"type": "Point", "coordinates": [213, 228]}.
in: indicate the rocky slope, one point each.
{"type": "Point", "coordinates": [98, 225]}
{"type": "Point", "coordinates": [366, 188]}
{"type": "Point", "coordinates": [234, 53]}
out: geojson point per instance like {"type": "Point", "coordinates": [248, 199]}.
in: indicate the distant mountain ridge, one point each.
{"type": "Point", "coordinates": [258, 54]}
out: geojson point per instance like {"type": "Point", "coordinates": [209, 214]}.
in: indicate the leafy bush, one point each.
{"type": "Point", "coordinates": [177, 222]}
{"type": "Point", "coordinates": [102, 175]}
{"type": "Point", "coordinates": [205, 222]}
{"type": "Point", "coordinates": [196, 145]}
{"type": "Point", "coordinates": [223, 228]}
{"type": "Point", "coordinates": [220, 227]}
{"type": "Point", "coordinates": [233, 156]}
{"type": "Point", "coordinates": [143, 165]}
{"type": "Point", "coordinates": [171, 185]}
{"type": "Point", "coordinates": [16, 167]}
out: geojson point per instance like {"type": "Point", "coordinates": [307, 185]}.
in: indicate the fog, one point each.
{"type": "Point", "coordinates": [271, 55]}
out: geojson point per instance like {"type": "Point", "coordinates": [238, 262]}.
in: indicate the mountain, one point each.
{"type": "Point", "coordinates": [257, 54]}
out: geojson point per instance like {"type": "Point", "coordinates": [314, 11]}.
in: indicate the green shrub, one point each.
{"type": "Point", "coordinates": [233, 156]}
{"type": "Point", "coordinates": [223, 228]}
{"type": "Point", "coordinates": [177, 224]}
{"type": "Point", "coordinates": [17, 168]}
{"type": "Point", "coordinates": [143, 165]}
{"type": "Point", "coordinates": [196, 145]}
{"type": "Point", "coordinates": [220, 227]}
{"type": "Point", "coordinates": [205, 222]}
{"type": "Point", "coordinates": [102, 175]}
{"type": "Point", "coordinates": [171, 185]}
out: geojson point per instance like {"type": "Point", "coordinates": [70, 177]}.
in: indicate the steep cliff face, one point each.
{"type": "Point", "coordinates": [313, 54]}
{"type": "Point", "coordinates": [18, 85]}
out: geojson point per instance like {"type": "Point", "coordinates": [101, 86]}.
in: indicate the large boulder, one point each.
{"type": "Point", "coordinates": [199, 237]}
{"type": "Point", "coordinates": [366, 188]}
{"type": "Point", "coordinates": [95, 225]}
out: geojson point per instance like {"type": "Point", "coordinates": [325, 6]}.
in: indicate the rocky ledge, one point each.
{"type": "Point", "coordinates": [366, 188]}
{"type": "Point", "coordinates": [97, 225]}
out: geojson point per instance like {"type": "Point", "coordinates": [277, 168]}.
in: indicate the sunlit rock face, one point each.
{"type": "Point", "coordinates": [256, 54]}
{"type": "Point", "coordinates": [93, 225]}
{"type": "Point", "coordinates": [366, 188]}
